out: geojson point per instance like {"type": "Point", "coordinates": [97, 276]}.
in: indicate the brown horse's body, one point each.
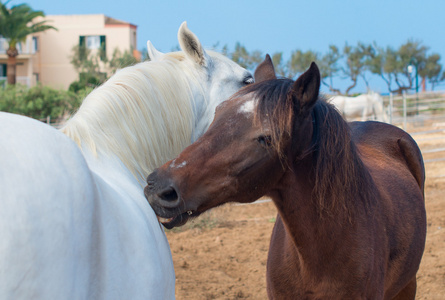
{"type": "Point", "coordinates": [375, 253]}
{"type": "Point", "coordinates": [351, 215]}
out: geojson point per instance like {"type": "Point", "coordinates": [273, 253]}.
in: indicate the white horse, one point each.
{"type": "Point", "coordinates": [74, 222]}
{"type": "Point", "coordinates": [363, 106]}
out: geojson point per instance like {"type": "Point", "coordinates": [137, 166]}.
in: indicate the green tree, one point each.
{"type": "Point", "coordinates": [277, 60]}
{"type": "Point", "coordinates": [300, 62]}
{"type": "Point", "coordinates": [89, 67]}
{"type": "Point", "coordinates": [431, 70]}
{"type": "Point", "coordinates": [94, 67]}
{"type": "Point", "coordinates": [408, 53]}
{"type": "Point", "coordinates": [84, 60]}
{"type": "Point", "coordinates": [121, 60]}
{"type": "Point", "coordinates": [355, 64]}
{"type": "Point", "coordinates": [16, 24]}
{"type": "Point", "coordinates": [38, 102]}
{"type": "Point", "coordinates": [382, 62]}
{"type": "Point", "coordinates": [329, 67]}
{"type": "Point", "coordinates": [245, 59]}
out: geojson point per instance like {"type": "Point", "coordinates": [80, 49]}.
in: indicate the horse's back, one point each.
{"type": "Point", "coordinates": [392, 142]}
{"type": "Point", "coordinates": [396, 166]}
{"type": "Point", "coordinates": [45, 212]}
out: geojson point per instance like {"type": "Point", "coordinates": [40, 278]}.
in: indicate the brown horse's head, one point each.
{"type": "Point", "coordinates": [244, 153]}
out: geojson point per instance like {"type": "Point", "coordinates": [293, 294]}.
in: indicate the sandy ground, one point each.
{"type": "Point", "coordinates": [222, 254]}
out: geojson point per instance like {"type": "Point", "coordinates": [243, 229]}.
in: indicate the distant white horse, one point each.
{"type": "Point", "coordinates": [74, 222]}
{"type": "Point", "coordinates": [363, 106]}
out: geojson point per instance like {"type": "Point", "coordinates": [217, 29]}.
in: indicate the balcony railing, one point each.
{"type": "Point", "coordinates": [25, 80]}
{"type": "Point", "coordinates": [27, 47]}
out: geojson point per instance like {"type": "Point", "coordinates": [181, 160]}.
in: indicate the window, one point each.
{"type": "Point", "coordinates": [35, 45]}
{"type": "Point", "coordinates": [3, 68]}
{"type": "Point", "coordinates": [93, 42]}
{"type": "Point", "coordinates": [103, 48]}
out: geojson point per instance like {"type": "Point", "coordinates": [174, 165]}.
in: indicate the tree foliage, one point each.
{"type": "Point", "coordinates": [355, 62]}
{"type": "Point", "coordinates": [245, 59]}
{"type": "Point", "coordinates": [38, 102]}
{"type": "Point", "coordinates": [16, 24]}
{"type": "Point", "coordinates": [94, 67]}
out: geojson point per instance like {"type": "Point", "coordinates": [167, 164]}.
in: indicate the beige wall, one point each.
{"type": "Point", "coordinates": [52, 61]}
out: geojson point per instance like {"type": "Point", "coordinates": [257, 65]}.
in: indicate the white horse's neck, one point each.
{"type": "Point", "coordinates": [143, 115]}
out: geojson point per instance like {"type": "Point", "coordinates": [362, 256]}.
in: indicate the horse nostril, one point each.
{"type": "Point", "coordinates": [169, 194]}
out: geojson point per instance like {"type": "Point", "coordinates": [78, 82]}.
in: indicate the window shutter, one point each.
{"type": "Point", "coordinates": [35, 44]}
{"type": "Point", "coordinates": [103, 48]}
{"type": "Point", "coordinates": [82, 47]}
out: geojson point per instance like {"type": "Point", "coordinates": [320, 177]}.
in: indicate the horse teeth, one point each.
{"type": "Point", "coordinates": [164, 220]}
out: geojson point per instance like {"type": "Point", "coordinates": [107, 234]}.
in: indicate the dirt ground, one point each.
{"type": "Point", "coordinates": [223, 254]}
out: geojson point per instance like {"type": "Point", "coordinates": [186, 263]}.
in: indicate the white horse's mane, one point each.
{"type": "Point", "coordinates": [143, 114]}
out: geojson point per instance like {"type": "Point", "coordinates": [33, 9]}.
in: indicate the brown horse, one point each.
{"type": "Point", "coordinates": [351, 214]}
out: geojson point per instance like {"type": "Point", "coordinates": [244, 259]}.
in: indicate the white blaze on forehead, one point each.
{"type": "Point", "coordinates": [174, 165]}
{"type": "Point", "coordinates": [183, 164]}
{"type": "Point", "coordinates": [247, 107]}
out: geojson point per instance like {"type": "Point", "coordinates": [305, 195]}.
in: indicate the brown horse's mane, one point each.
{"type": "Point", "coordinates": [341, 179]}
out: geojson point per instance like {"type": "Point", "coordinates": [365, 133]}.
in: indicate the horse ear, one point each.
{"type": "Point", "coordinates": [191, 45]}
{"type": "Point", "coordinates": [265, 70]}
{"type": "Point", "coordinates": [152, 52]}
{"type": "Point", "coordinates": [307, 88]}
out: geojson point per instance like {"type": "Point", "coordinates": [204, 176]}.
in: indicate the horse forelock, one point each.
{"type": "Point", "coordinates": [136, 115]}
{"type": "Point", "coordinates": [273, 110]}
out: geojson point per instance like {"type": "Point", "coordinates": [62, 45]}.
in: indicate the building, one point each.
{"type": "Point", "coordinates": [45, 56]}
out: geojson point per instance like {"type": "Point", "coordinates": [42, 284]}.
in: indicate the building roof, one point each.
{"type": "Point", "coordinates": [105, 20]}
{"type": "Point", "coordinates": [112, 21]}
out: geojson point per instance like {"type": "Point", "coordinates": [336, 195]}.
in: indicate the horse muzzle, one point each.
{"type": "Point", "coordinates": [163, 196]}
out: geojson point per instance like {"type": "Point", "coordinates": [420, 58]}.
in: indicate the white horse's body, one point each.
{"type": "Point", "coordinates": [74, 222]}
{"type": "Point", "coordinates": [73, 226]}
{"type": "Point", "coordinates": [362, 106]}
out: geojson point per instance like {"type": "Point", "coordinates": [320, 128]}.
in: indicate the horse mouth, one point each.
{"type": "Point", "coordinates": [165, 220]}
{"type": "Point", "coordinates": [178, 220]}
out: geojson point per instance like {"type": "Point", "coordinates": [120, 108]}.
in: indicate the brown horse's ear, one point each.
{"type": "Point", "coordinates": [265, 70]}
{"type": "Point", "coordinates": [306, 89]}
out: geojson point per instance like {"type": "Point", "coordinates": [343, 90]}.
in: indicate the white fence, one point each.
{"type": "Point", "coordinates": [414, 110]}
{"type": "Point", "coordinates": [423, 116]}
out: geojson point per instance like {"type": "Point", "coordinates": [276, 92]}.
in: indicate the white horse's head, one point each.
{"type": "Point", "coordinates": [218, 76]}
{"type": "Point", "coordinates": [148, 113]}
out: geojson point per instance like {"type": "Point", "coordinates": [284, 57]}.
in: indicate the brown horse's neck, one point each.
{"type": "Point", "coordinates": [324, 190]}
{"type": "Point", "coordinates": [316, 236]}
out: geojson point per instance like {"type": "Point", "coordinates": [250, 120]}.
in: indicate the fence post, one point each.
{"type": "Point", "coordinates": [404, 110]}
{"type": "Point", "coordinates": [391, 103]}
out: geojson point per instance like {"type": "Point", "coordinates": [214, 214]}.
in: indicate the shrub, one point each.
{"type": "Point", "coordinates": [87, 81]}
{"type": "Point", "coordinates": [38, 102]}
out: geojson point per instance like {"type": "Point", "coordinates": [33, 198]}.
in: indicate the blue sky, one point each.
{"type": "Point", "coordinates": [274, 26]}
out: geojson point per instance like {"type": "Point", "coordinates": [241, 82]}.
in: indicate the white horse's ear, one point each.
{"type": "Point", "coordinates": [152, 52]}
{"type": "Point", "coordinates": [191, 45]}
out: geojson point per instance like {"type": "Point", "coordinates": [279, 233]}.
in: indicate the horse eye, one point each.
{"type": "Point", "coordinates": [265, 140]}
{"type": "Point", "coordinates": [248, 80]}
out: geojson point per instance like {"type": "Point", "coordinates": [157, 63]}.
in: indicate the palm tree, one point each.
{"type": "Point", "coordinates": [15, 25]}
